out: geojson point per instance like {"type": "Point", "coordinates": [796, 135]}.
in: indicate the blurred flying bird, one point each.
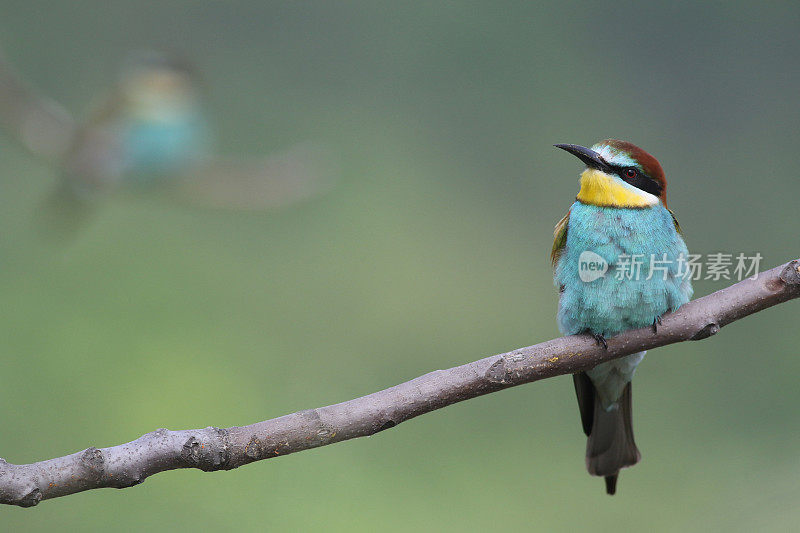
{"type": "Point", "coordinates": [149, 129]}
{"type": "Point", "coordinates": [150, 133]}
{"type": "Point", "coordinates": [620, 215]}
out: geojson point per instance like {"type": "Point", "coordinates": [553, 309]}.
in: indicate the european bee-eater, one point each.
{"type": "Point", "coordinates": [150, 128]}
{"type": "Point", "coordinates": [150, 132]}
{"type": "Point", "coordinates": [621, 216]}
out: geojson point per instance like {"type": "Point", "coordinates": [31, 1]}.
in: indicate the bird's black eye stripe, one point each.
{"type": "Point", "coordinates": [639, 179]}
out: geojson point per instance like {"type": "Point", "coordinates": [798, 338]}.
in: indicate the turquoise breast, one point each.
{"type": "Point", "coordinates": [623, 297]}
{"type": "Point", "coordinates": [157, 148]}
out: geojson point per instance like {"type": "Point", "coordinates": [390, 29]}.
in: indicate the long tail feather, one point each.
{"type": "Point", "coordinates": [611, 445]}
{"type": "Point", "coordinates": [611, 484]}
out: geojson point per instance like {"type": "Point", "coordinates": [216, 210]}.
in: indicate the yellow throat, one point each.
{"type": "Point", "coordinates": [601, 189]}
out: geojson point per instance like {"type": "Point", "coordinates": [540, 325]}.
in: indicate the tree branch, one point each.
{"type": "Point", "coordinates": [212, 448]}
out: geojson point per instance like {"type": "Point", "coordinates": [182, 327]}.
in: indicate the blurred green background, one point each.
{"type": "Point", "coordinates": [431, 252]}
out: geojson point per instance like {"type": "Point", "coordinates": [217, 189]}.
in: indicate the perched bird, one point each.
{"type": "Point", "coordinates": [620, 215]}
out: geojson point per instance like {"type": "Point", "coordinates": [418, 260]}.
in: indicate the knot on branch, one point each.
{"type": "Point", "coordinates": [16, 487]}
{"type": "Point", "coordinates": [790, 275]}
{"type": "Point", "coordinates": [207, 456]}
{"type": "Point", "coordinates": [93, 465]}
{"type": "Point", "coordinates": [191, 450]}
{"type": "Point", "coordinates": [500, 373]}
{"type": "Point", "coordinates": [323, 432]}
{"type": "Point", "coordinates": [254, 448]}
{"type": "Point", "coordinates": [92, 459]}
{"type": "Point", "coordinates": [705, 332]}
{"type": "Point", "coordinates": [497, 372]}
{"type": "Point", "coordinates": [31, 499]}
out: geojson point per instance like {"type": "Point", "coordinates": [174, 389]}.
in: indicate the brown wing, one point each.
{"type": "Point", "coordinates": [584, 390]}
{"type": "Point", "coordinates": [675, 220]}
{"type": "Point", "coordinates": [559, 238]}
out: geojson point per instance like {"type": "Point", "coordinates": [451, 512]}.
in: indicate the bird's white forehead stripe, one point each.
{"type": "Point", "coordinates": [614, 156]}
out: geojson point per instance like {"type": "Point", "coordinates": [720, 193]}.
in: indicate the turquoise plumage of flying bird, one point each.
{"type": "Point", "coordinates": [608, 283]}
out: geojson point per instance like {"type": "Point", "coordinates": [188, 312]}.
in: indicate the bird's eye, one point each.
{"type": "Point", "coordinates": [630, 173]}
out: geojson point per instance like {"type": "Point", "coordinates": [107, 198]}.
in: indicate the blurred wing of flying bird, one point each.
{"type": "Point", "coordinates": [300, 172]}
{"type": "Point", "coordinates": [41, 125]}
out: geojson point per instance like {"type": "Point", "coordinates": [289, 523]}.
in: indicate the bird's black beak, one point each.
{"type": "Point", "coordinates": [590, 157]}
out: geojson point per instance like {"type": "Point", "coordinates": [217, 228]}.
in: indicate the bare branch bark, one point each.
{"type": "Point", "coordinates": [213, 448]}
